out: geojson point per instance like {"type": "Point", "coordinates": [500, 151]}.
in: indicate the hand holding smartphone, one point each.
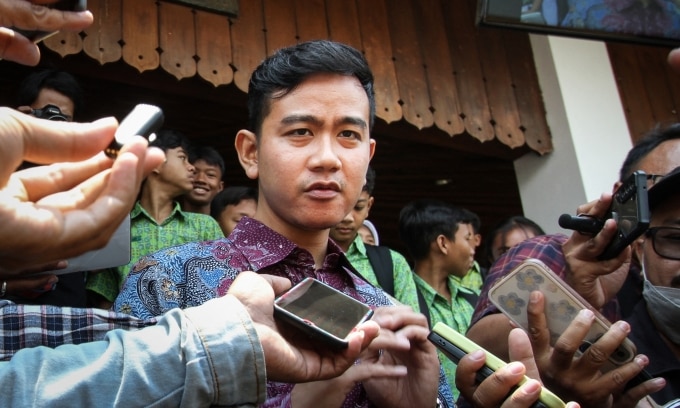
{"type": "Point", "coordinates": [322, 312]}
{"type": "Point", "coordinates": [511, 295]}
{"type": "Point", "coordinates": [455, 345]}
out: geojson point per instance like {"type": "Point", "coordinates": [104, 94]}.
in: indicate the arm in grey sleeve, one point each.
{"type": "Point", "coordinates": [207, 355]}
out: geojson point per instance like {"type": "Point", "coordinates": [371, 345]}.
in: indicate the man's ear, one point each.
{"type": "Point", "coordinates": [246, 148]}
{"type": "Point", "coordinates": [369, 204]}
{"type": "Point", "coordinates": [442, 244]}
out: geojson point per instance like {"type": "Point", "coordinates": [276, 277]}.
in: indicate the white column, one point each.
{"type": "Point", "coordinates": [589, 131]}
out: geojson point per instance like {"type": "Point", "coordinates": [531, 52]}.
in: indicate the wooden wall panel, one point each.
{"type": "Point", "coordinates": [343, 22]}
{"type": "Point", "coordinates": [277, 17]}
{"type": "Point", "coordinates": [378, 51]}
{"type": "Point", "coordinates": [213, 48]}
{"type": "Point", "coordinates": [310, 18]}
{"type": "Point", "coordinates": [102, 38]}
{"type": "Point", "coordinates": [631, 88]}
{"type": "Point", "coordinates": [465, 59]}
{"type": "Point", "coordinates": [247, 33]}
{"type": "Point", "coordinates": [177, 40]}
{"type": "Point", "coordinates": [140, 34]}
{"type": "Point", "coordinates": [408, 62]}
{"type": "Point", "coordinates": [499, 88]}
{"type": "Point", "coordinates": [527, 91]}
{"type": "Point", "coordinates": [440, 80]}
{"type": "Point", "coordinates": [65, 42]}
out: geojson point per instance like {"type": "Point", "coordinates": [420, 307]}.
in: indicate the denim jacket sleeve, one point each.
{"type": "Point", "coordinates": [202, 356]}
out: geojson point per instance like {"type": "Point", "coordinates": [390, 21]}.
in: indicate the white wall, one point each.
{"type": "Point", "coordinates": [589, 131]}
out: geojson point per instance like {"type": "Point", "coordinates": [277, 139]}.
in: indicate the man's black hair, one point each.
{"type": "Point", "coordinates": [473, 219]}
{"type": "Point", "coordinates": [288, 67]}
{"type": "Point", "coordinates": [60, 81]}
{"type": "Point", "coordinates": [231, 196]}
{"type": "Point", "coordinates": [510, 224]}
{"type": "Point", "coordinates": [208, 155]}
{"type": "Point", "coordinates": [167, 139]}
{"type": "Point", "coordinates": [422, 221]}
{"type": "Point", "coordinates": [370, 181]}
{"type": "Point", "coordinates": [645, 146]}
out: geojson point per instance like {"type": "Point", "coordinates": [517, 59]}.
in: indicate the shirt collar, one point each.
{"type": "Point", "coordinates": [138, 210]}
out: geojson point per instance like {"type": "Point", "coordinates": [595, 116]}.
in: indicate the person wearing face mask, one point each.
{"type": "Point", "coordinates": [655, 321]}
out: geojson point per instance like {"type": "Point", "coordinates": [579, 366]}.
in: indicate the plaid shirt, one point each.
{"type": "Point", "coordinates": [26, 326]}
{"type": "Point", "coordinates": [546, 248]}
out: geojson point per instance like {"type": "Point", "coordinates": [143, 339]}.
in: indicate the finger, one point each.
{"type": "Point", "coordinates": [597, 208]}
{"type": "Point", "coordinates": [42, 141]}
{"type": "Point", "coordinates": [524, 396]}
{"type": "Point", "coordinates": [17, 48]}
{"type": "Point", "coordinates": [42, 181]}
{"type": "Point", "coordinates": [493, 390]}
{"type": "Point", "coordinates": [52, 266]}
{"type": "Point", "coordinates": [366, 371]}
{"type": "Point", "coordinates": [599, 352]}
{"type": "Point", "coordinates": [78, 197]}
{"type": "Point", "coordinates": [539, 333]}
{"type": "Point", "coordinates": [395, 317]}
{"type": "Point", "coordinates": [520, 350]}
{"type": "Point", "coordinates": [31, 286]}
{"type": "Point", "coordinates": [28, 16]}
{"type": "Point", "coordinates": [637, 394]}
{"type": "Point", "coordinates": [278, 283]}
{"type": "Point", "coordinates": [674, 60]}
{"type": "Point", "coordinates": [360, 339]}
{"type": "Point", "coordinates": [572, 338]}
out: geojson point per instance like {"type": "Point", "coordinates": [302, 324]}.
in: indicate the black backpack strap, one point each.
{"type": "Point", "coordinates": [381, 262]}
{"type": "Point", "coordinates": [468, 295]}
{"type": "Point", "coordinates": [380, 258]}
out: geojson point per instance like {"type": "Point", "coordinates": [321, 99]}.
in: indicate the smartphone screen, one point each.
{"type": "Point", "coordinates": [321, 310]}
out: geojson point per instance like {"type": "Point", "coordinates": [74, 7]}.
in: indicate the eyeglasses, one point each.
{"type": "Point", "coordinates": [653, 179]}
{"type": "Point", "coordinates": [665, 241]}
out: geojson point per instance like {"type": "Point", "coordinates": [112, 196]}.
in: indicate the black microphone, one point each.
{"type": "Point", "coordinates": [584, 224]}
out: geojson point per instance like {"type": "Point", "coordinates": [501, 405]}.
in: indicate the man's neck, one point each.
{"type": "Point", "coordinates": [195, 208]}
{"type": "Point", "coordinates": [434, 275]}
{"type": "Point", "coordinates": [157, 204]}
{"type": "Point", "coordinates": [344, 245]}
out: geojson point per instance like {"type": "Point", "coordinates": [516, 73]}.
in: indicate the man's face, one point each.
{"type": "Point", "coordinates": [233, 213]}
{"type": "Point", "coordinates": [51, 97]}
{"type": "Point", "coordinates": [312, 156]}
{"type": "Point", "coordinates": [502, 242]}
{"type": "Point", "coordinates": [366, 235]}
{"type": "Point", "coordinates": [461, 251]}
{"type": "Point", "coordinates": [177, 172]}
{"type": "Point", "coordinates": [207, 183]}
{"type": "Point", "coordinates": [661, 271]}
{"type": "Point", "coordinates": [348, 228]}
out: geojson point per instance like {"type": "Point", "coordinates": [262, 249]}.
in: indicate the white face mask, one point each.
{"type": "Point", "coordinates": [663, 305]}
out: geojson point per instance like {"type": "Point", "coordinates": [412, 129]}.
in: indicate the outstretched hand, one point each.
{"type": "Point", "coordinates": [290, 355]}
{"type": "Point", "coordinates": [72, 207]}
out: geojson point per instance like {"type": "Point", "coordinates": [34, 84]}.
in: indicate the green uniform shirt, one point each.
{"type": "Point", "coordinates": [148, 237]}
{"type": "Point", "coordinates": [456, 314]}
{"type": "Point", "coordinates": [404, 286]}
{"type": "Point", "coordinates": [473, 280]}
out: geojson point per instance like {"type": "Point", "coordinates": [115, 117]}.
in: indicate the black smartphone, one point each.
{"type": "Point", "coordinates": [630, 209]}
{"type": "Point", "coordinates": [455, 345]}
{"type": "Point", "coordinates": [143, 120]}
{"type": "Point", "coordinates": [322, 312]}
{"type": "Point", "coordinates": [64, 5]}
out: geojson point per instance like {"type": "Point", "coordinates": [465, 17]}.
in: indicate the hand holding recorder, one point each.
{"type": "Point", "coordinates": [50, 213]}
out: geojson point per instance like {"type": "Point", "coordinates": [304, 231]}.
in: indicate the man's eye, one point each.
{"type": "Point", "coordinates": [350, 134]}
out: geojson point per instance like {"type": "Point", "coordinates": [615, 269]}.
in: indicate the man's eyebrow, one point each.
{"type": "Point", "coordinates": [347, 120]}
